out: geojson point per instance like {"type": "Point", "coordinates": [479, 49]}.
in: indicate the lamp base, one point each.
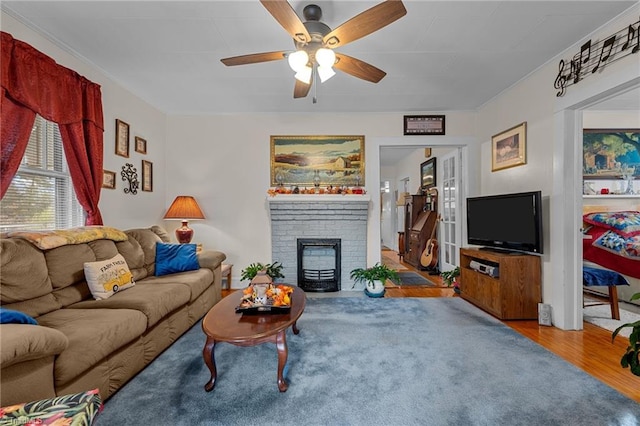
{"type": "Point", "coordinates": [184, 234]}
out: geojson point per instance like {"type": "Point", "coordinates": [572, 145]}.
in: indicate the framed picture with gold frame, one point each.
{"type": "Point", "coordinates": [325, 160]}
{"type": "Point", "coordinates": [141, 145]}
{"type": "Point", "coordinates": [509, 148]}
{"type": "Point", "coordinates": [147, 176]}
{"type": "Point", "coordinates": [108, 179]}
{"type": "Point", "coordinates": [122, 138]}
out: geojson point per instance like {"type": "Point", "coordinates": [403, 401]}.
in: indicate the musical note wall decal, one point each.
{"type": "Point", "coordinates": [606, 51]}
{"type": "Point", "coordinates": [604, 56]}
{"type": "Point", "coordinates": [630, 35]}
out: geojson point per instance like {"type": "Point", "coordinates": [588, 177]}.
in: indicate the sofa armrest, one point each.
{"type": "Point", "coordinates": [211, 259]}
{"type": "Point", "coordinates": [23, 342]}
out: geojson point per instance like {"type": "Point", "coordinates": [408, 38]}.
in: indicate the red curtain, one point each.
{"type": "Point", "coordinates": [34, 83]}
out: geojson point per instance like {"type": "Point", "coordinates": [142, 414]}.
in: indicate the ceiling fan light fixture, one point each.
{"type": "Point", "coordinates": [298, 60]}
{"type": "Point", "coordinates": [325, 57]}
{"type": "Point", "coordinates": [325, 73]}
{"type": "Point", "coordinates": [304, 75]}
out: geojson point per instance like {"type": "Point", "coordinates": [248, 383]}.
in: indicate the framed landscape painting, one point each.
{"type": "Point", "coordinates": [509, 148]}
{"type": "Point", "coordinates": [428, 174]}
{"type": "Point", "coordinates": [610, 153]}
{"type": "Point", "coordinates": [327, 160]}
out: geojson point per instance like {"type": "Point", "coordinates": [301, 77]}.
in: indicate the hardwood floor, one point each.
{"type": "Point", "coordinates": [590, 349]}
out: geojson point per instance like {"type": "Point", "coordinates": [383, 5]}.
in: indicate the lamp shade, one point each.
{"type": "Point", "coordinates": [184, 207]}
{"type": "Point", "coordinates": [304, 75]}
{"type": "Point", "coordinates": [298, 60]}
{"type": "Point", "coordinates": [325, 57]}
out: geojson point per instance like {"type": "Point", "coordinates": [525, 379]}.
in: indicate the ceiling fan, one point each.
{"type": "Point", "coordinates": [314, 42]}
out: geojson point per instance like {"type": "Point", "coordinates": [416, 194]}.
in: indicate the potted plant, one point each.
{"type": "Point", "coordinates": [451, 278]}
{"type": "Point", "coordinates": [630, 359]}
{"type": "Point", "coordinates": [274, 270]}
{"type": "Point", "coordinates": [374, 278]}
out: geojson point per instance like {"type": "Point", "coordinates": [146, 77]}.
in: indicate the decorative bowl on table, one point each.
{"type": "Point", "coordinates": [265, 299]}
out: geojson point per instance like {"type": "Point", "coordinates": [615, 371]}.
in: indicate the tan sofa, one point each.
{"type": "Point", "coordinates": [81, 343]}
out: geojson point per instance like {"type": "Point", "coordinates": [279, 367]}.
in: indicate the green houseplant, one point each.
{"type": "Point", "coordinates": [450, 278]}
{"type": "Point", "coordinates": [374, 278]}
{"type": "Point", "coordinates": [630, 358]}
{"type": "Point", "coordinates": [274, 270]}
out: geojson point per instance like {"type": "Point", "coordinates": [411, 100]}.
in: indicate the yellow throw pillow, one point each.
{"type": "Point", "coordinates": [108, 277]}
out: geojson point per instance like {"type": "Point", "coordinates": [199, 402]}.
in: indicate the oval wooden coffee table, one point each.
{"type": "Point", "coordinates": [223, 324]}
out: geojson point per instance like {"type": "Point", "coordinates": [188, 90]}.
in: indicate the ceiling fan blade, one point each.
{"type": "Point", "coordinates": [370, 20]}
{"type": "Point", "coordinates": [253, 58]}
{"type": "Point", "coordinates": [287, 17]}
{"type": "Point", "coordinates": [301, 89]}
{"type": "Point", "coordinates": [358, 68]}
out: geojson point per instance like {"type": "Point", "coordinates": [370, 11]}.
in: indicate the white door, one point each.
{"type": "Point", "coordinates": [450, 228]}
{"type": "Point", "coordinates": [388, 238]}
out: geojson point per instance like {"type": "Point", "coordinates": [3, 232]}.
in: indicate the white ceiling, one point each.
{"type": "Point", "coordinates": [441, 56]}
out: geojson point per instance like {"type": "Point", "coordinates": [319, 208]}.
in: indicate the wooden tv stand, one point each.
{"type": "Point", "coordinates": [514, 294]}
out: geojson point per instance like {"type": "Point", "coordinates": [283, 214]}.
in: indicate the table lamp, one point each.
{"type": "Point", "coordinates": [183, 208]}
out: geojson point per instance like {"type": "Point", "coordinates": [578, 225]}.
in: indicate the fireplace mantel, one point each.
{"type": "Point", "coordinates": [315, 198]}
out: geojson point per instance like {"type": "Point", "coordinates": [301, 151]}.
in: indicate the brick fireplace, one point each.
{"type": "Point", "coordinates": [314, 218]}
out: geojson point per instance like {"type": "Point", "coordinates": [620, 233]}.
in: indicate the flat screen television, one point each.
{"type": "Point", "coordinates": [507, 222]}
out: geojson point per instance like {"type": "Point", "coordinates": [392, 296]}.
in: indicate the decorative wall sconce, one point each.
{"type": "Point", "coordinates": [130, 174]}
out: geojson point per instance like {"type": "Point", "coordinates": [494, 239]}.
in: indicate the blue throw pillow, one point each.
{"type": "Point", "coordinates": [9, 316]}
{"type": "Point", "coordinates": [172, 258]}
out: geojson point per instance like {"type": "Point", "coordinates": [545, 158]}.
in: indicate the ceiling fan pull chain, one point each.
{"type": "Point", "coordinates": [315, 86]}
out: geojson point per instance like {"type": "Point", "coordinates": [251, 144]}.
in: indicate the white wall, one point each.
{"type": "Point", "coordinates": [552, 155]}
{"type": "Point", "coordinates": [118, 209]}
{"type": "Point", "coordinates": [228, 170]}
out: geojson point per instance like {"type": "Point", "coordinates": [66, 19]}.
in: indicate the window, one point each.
{"type": "Point", "coordinates": [41, 195]}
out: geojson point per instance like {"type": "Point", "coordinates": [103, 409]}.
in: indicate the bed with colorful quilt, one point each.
{"type": "Point", "coordinates": [612, 240]}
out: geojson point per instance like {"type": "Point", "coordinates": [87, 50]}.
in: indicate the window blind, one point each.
{"type": "Point", "coordinates": [41, 194]}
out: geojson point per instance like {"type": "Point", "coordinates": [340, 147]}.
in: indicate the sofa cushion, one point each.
{"type": "Point", "coordinates": [195, 281]}
{"type": "Point", "coordinates": [9, 316]}
{"type": "Point", "coordinates": [140, 251]}
{"type": "Point", "coordinates": [23, 342]}
{"type": "Point", "coordinates": [66, 264]}
{"type": "Point", "coordinates": [162, 233]}
{"type": "Point", "coordinates": [211, 259]}
{"type": "Point", "coordinates": [20, 259]}
{"type": "Point", "coordinates": [133, 254]}
{"type": "Point", "coordinates": [107, 277]}
{"type": "Point", "coordinates": [93, 335]}
{"type": "Point", "coordinates": [172, 258]}
{"type": "Point", "coordinates": [155, 302]}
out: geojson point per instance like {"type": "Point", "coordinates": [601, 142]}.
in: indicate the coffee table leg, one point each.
{"type": "Point", "coordinates": [294, 327]}
{"type": "Point", "coordinates": [283, 352]}
{"type": "Point", "coordinates": [209, 359]}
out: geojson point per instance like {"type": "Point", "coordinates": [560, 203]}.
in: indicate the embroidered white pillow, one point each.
{"type": "Point", "coordinates": [107, 277]}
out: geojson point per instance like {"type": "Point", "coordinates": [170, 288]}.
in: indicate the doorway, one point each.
{"type": "Point", "coordinates": [400, 175]}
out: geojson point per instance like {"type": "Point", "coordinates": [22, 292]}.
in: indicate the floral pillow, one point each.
{"type": "Point", "coordinates": [625, 223]}
{"type": "Point", "coordinates": [76, 409]}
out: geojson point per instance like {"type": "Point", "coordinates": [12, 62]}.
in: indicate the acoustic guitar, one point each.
{"type": "Point", "coordinates": [429, 257]}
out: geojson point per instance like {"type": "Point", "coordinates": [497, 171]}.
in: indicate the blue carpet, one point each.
{"type": "Point", "coordinates": [362, 361]}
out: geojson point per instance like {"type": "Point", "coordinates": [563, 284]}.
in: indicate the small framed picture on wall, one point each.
{"type": "Point", "coordinates": [147, 176]}
{"type": "Point", "coordinates": [141, 145]}
{"type": "Point", "coordinates": [108, 179]}
{"type": "Point", "coordinates": [122, 138]}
